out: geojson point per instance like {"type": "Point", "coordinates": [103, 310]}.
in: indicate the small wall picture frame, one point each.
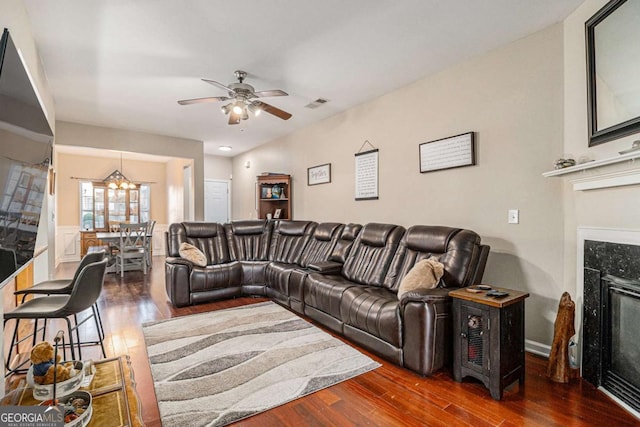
{"type": "Point", "coordinates": [320, 174]}
{"type": "Point", "coordinates": [277, 213]}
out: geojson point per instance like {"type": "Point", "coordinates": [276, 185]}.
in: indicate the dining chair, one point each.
{"type": "Point", "coordinates": [132, 248]}
{"type": "Point", "coordinates": [114, 227]}
{"type": "Point", "coordinates": [85, 293]}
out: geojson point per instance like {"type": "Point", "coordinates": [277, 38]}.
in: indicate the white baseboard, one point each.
{"type": "Point", "coordinates": [537, 348]}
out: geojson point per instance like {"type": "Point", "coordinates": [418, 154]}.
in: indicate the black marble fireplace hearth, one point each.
{"type": "Point", "coordinates": [611, 310]}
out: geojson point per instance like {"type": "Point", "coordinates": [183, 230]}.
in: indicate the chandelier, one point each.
{"type": "Point", "coordinates": [117, 180]}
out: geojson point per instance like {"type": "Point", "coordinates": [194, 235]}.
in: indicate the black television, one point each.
{"type": "Point", "coordinates": [25, 155]}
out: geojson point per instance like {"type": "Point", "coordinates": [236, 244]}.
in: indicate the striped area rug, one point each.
{"type": "Point", "coordinates": [215, 368]}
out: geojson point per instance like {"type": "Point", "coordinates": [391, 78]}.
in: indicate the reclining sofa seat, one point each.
{"type": "Point", "coordinates": [366, 264]}
{"type": "Point", "coordinates": [415, 331]}
{"type": "Point", "coordinates": [294, 246]}
{"type": "Point", "coordinates": [187, 284]}
{"type": "Point", "coordinates": [248, 243]}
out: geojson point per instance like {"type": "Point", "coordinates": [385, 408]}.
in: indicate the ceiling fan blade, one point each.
{"type": "Point", "coordinates": [274, 92]}
{"type": "Point", "coordinates": [272, 110]}
{"type": "Point", "coordinates": [234, 118]}
{"type": "Point", "coordinates": [220, 85]}
{"type": "Point", "coordinates": [203, 100]}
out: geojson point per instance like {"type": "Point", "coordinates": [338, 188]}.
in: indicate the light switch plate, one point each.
{"type": "Point", "coordinates": [514, 216]}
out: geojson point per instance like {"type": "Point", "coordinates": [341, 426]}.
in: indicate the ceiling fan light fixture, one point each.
{"type": "Point", "coordinates": [255, 110]}
{"type": "Point", "coordinates": [242, 100]}
{"type": "Point", "coordinates": [226, 109]}
{"type": "Point", "coordinates": [238, 107]}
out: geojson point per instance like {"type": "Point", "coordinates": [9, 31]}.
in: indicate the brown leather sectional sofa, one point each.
{"type": "Point", "coordinates": [345, 277]}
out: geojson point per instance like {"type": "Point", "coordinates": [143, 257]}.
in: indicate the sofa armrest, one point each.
{"type": "Point", "coordinates": [428, 328]}
{"type": "Point", "coordinates": [177, 280]}
{"type": "Point", "coordinates": [327, 267]}
{"type": "Point", "coordinates": [431, 296]}
{"type": "Point", "coordinates": [179, 261]}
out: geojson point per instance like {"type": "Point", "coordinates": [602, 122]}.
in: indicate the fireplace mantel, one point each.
{"type": "Point", "coordinates": [615, 171]}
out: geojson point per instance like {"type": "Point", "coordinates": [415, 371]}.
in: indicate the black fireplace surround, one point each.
{"type": "Point", "coordinates": [611, 317]}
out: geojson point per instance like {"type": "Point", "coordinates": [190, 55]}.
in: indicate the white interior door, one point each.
{"type": "Point", "coordinates": [216, 200]}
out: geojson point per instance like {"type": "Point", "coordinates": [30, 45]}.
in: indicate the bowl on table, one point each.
{"type": "Point", "coordinates": [63, 388]}
{"type": "Point", "coordinates": [76, 408]}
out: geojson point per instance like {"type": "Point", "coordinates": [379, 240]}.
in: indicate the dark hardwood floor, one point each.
{"type": "Point", "coordinates": [386, 396]}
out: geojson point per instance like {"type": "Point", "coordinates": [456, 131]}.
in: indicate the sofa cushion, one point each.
{"type": "Point", "coordinates": [208, 237]}
{"type": "Point", "coordinates": [324, 292]}
{"type": "Point", "coordinates": [374, 310]}
{"type": "Point", "coordinates": [345, 242]}
{"type": "Point", "coordinates": [425, 274]}
{"type": "Point", "coordinates": [277, 276]}
{"type": "Point", "coordinates": [457, 249]}
{"type": "Point", "coordinates": [321, 243]}
{"type": "Point", "coordinates": [376, 234]}
{"type": "Point", "coordinates": [193, 254]}
{"type": "Point", "coordinates": [289, 239]}
{"type": "Point", "coordinates": [243, 228]}
{"type": "Point", "coordinates": [371, 254]}
{"type": "Point", "coordinates": [218, 276]}
{"type": "Point", "coordinates": [248, 240]}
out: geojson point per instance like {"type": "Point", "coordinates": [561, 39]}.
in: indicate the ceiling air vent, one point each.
{"type": "Point", "coordinates": [317, 103]}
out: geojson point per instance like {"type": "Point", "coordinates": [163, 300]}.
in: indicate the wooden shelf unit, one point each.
{"type": "Point", "coordinates": [268, 185]}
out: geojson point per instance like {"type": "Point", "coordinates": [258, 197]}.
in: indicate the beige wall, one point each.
{"type": "Point", "coordinates": [96, 168]}
{"type": "Point", "coordinates": [513, 98]}
{"type": "Point", "coordinates": [217, 167]}
{"type": "Point", "coordinates": [138, 142]}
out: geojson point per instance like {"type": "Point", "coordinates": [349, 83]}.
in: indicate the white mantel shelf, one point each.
{"type": "Point", "coordinates": [601, 178]}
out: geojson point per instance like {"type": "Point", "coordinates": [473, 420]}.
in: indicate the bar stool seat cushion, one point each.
{"type": "Point", "coordinates": [58, 286]}
{"type": "Point", "coordinates": [49, 307]}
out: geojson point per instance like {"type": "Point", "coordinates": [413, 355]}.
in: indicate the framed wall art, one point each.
{"type": "Point", "coordinates": [367, 175]}
{"type": "Point", "coordinates": [448, 153]}
{"type": "Point", "coordinates": [320, 174]}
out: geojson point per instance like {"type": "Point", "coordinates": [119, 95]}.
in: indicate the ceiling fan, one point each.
{"type": "Point", "coordinates": [243, 96]}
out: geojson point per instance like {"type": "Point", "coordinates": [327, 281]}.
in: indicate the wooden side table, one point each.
{"type": "Point", "coordinates": [488, 341]}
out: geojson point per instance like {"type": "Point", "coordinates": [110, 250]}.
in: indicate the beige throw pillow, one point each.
{"type": "Point", "coordinates": [193, 254]}
{"type": "Point", "coordinates": [425, 274]}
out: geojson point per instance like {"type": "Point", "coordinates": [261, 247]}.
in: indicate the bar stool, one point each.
{"type": "Point", "coordinates": [85, 293]}
{"type": "Point", "coordinates": [64, 287]}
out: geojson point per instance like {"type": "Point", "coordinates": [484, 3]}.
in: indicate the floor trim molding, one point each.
{"type": "Point", "coordinates": [537, 348]}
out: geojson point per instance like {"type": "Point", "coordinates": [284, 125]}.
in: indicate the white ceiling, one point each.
{"type": "Point", "coordinates": [124, 63]}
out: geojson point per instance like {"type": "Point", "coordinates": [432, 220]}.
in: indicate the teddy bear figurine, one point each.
{"type": "Point", "coordinates": [43, 366]}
